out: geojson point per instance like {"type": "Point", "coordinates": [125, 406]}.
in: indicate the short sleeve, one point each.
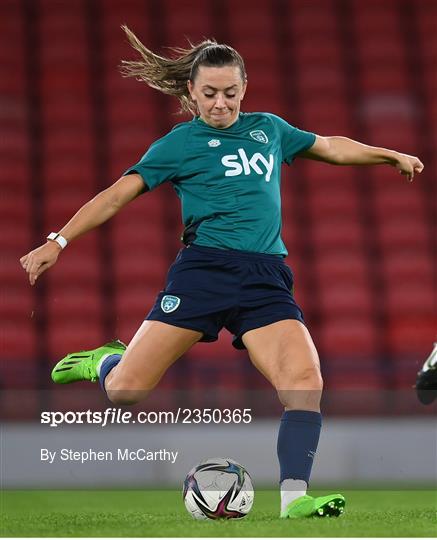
{"type": "Point", "coordinates": [293, 140]}
{"type": "Point", "coordinates": [162, 160]}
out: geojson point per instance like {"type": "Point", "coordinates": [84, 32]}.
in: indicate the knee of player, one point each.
{"type": "Point", "coordinates": [310, 378]}
{"type": "Point", "coordinates": [123, 389]}
{"type": "Point", "coordinates": [126, 397]}
{"type": "Point", "coordinates": [307, 378]}
{"type": "Point", "coordinates": [122, 394]}
{"type": "Point", "coordinates": [303, 392]}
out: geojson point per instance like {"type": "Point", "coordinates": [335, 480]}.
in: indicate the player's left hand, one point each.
{"type": "Point", "coordinates": [408, 165]}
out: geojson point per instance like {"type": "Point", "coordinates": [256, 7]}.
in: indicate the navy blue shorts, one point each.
{"type": "Point", "coordinates": [208, 289]}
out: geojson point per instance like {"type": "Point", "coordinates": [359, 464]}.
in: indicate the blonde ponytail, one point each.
{"type": "Point", "coordinates": [170, 75]}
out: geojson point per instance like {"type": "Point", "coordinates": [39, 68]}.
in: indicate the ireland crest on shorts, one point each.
{"type": "Point", "coordinates": [170, 303]}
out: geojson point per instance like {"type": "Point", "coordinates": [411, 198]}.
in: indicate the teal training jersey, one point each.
{"type": "Point", "coordinates": [228, 180]}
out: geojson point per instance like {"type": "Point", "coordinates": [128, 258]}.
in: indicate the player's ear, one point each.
{"type": "Point", "coordinates": [190, 87]}
{"type": "Point", "coordinates": [244, 90]}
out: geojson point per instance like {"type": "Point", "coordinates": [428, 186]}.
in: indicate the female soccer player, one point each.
{"type": "Point", "coordinates": [225, 166]}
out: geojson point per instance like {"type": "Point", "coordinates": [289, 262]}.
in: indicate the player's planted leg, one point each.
{"type": "Point", "coordinates": [285, 354]}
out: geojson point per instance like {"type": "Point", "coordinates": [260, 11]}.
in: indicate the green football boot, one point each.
{"type": "Point", "coordinates": [307, 506]}
{"type": "Point", "coordinates": [81, 366]}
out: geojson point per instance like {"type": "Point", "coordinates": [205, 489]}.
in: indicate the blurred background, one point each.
{"type": "Point", "coordinates": [361, 241]}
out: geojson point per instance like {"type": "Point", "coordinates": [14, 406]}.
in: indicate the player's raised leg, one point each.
{"type": "Point", "coordinates": [285, 354]}
{"type": "Point", "coordinates": [128, 374]}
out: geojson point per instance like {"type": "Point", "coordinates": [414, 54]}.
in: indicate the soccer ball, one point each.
{"type": "Point", "coordinates": [218, 488]}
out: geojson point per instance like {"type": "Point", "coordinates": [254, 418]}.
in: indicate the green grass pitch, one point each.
{"type": "Point", "coordinates": [162, 513]}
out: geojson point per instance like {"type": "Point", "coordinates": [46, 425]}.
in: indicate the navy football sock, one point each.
{"type": "Point", "coordinates": [108, 363]}
{"type": "Point", "coordinates": [297, 443]}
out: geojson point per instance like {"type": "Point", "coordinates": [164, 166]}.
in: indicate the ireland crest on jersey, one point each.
{"type": "Point", "coordinates": [259, 135]}
{"type": "Point", "coordinates": [170, 303]}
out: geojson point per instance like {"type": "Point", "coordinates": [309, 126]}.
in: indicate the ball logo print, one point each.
{"type": "Point", "coordinates": [170, 303]}
{"type": "Point", "coordinates": [218, 488]}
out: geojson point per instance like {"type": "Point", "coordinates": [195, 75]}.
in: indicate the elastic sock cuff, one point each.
{"type": "Point", "coordinates": [108, 363]}
{"type": "Point", "coordinates": [302, 416]}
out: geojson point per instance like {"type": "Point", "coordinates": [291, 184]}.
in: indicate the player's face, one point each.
{"type": "Point", "coordinates": [217, 92]}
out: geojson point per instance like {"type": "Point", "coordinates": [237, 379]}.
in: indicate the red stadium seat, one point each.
{"type": "Point", "coordinates": [327, 119]}
{"type": "Point", "coordinates": [309, 49]}
{"type": "Point", "coordinates": [412, 337]}
{"type": "Point", "coordinates": [65, 302]}
{"type": "Point", "coordinates": [403, 232]}
{"type": "Point", "coordinates": [137, 110]}
{"type": "Point", "coordinates": [307, 23]}
{"type": "Point", "coordinates": [71, 172]}
{"type": "Point", "coordinates": [403, 267]}
{"type": "Point", "coordinates": [321, 175]}
{"type": "Point", "coordinates": [16, 144]}
{"type": "Point", "coordinates": [398, 200]}
{"type": "Point", "coordinates": [189, 19]}
{"type": "Point", "coordinates": [351, 337]}
{"type": "Point", "coordinates": [61, 205]}
{"type": "Point", "coordinates": [378, 49]}
{"type": "Point", "coordinates": [71, 83]}
{"type": "Point", "coordinates": [373, 18]}
{"type": "Point", "coordinates": [135, 299]}
{"type": "Point", "coordinates": [147, 235]}
{"type": "Point", "coordinates": [17, 302]}
{"type": "Point", "coordinates": [401, 135]}
{"type": "Point", "coordinates": [70, 335]}
{"type": "Point", "coordinates": [342, 266]}
{"type": "Point", "coordinates": [325, 204]}
{"type": "Point", "coordinates": [18, 340]}
{"type": "Point", "coordinates": [312, 6]}
{"type": "Point", "coordinates": [14, 86]}
{"type": "Point", "coordinates": [345, 298]}
{"type": "Point", "coordinates": [15, 243]}
{"type": "Point", "coordinates": [132, 303]}
{"type": "Point", "coordinates": [126, 327]}
{"type": "Point", "coordinates": [67, 111]}
{"type": "Point", "coordinates": [16, 205]}
{"type": "Point", "coordinates": [321, 80]}
{"type": "Point", "coordinates": [11, 272]}
{"type": "Point", "coordinates": [221, 350]}
{"type": "Point", "coordinates": [135, 267]}
{"type": "Point", "coordinates": [384, 80]}
{"type": "Point", "coordinates": [80, 264]}
{"type": "Point", "coordinates": [15, 174]}
{"type": "Point", "coordinates": [247, 25]}
{"type": "Point", "coordinates": [12, 49]}
{"type": "Point", "coordinates": [345, 233]}
{"type": "Point", "coordinates": [218, 363]}
{"type": "Point", "coordinates": [130, 142]}
{"type": "Point", "coordinates": [416, 299]}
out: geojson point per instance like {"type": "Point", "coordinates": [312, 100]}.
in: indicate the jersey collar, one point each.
{"type": "Point", "coordinates": [200, 121]}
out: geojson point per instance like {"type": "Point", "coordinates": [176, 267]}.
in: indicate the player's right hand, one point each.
{"type": "Point", "coordinates": [40, 259]}
{"type": "Point", "coordinates": [408, 165]}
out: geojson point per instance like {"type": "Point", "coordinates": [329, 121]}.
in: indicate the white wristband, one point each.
{"type": "Point", "coordinates": [60, 240]}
